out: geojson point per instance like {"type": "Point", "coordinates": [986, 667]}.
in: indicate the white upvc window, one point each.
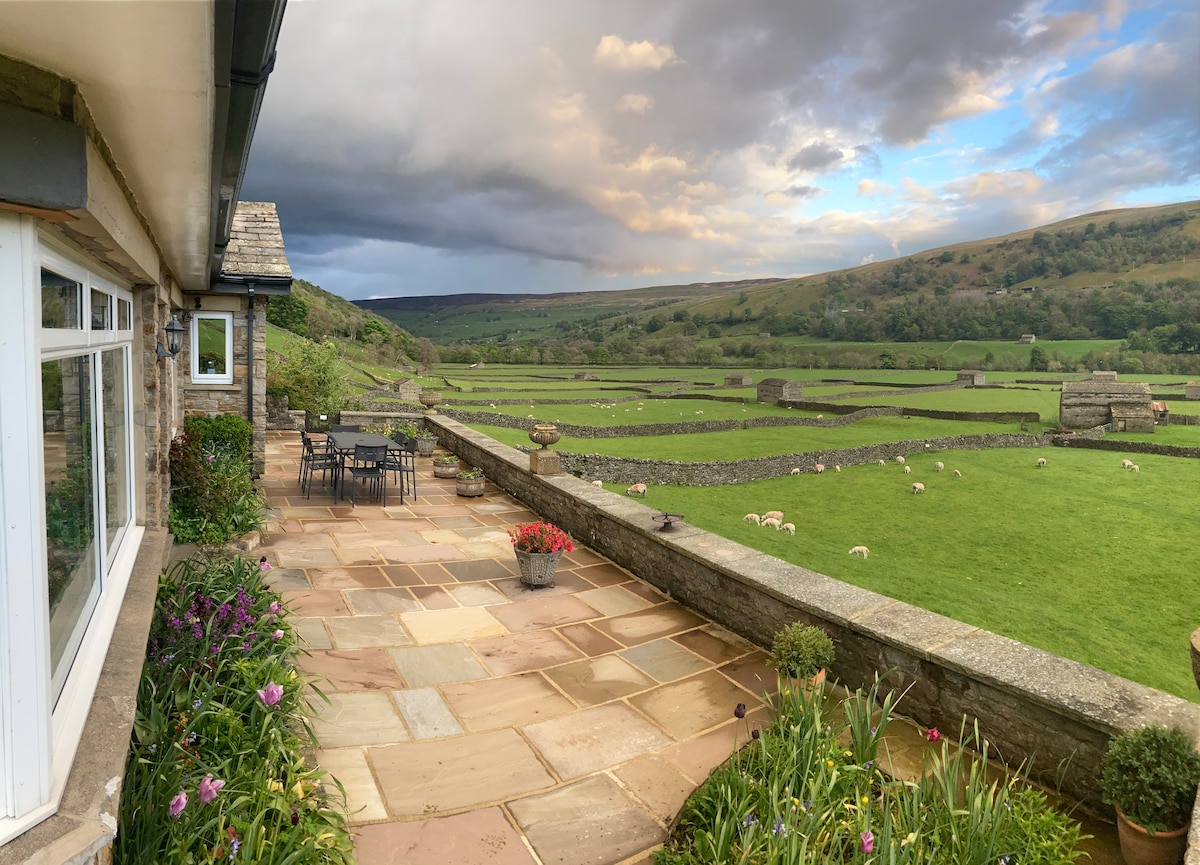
{"type": "Point", "coordinates": [67, 536]}
{"type": "Point", "coordinates": [212, 347]}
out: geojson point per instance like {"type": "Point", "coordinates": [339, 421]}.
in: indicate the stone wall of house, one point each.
{"type": "Point", "coordinates": [153, 380]}
{"type": "Point", "coordinates": [1088, 403]}
{"type": "Point", "coordinates": [1031, 705]}
{"type": "Point", "coordinates": [279, 416]}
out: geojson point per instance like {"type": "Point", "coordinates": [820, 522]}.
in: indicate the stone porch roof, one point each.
{"type": "Point", "coordinates": [255, 243]}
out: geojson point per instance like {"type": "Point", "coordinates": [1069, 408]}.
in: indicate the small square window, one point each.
{"type": "Point", "coordinates": [212, 347]}
{"type": "Point", "coordinates": [101, 311]}
{"type": "Point", "coordinates": [60, 301]}
{"type": "Point", "coordinates": [124, 315]}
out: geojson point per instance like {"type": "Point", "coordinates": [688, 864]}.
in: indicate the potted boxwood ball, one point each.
{"type": "Point", "coordinates": [1150, 776]}
{"type": "Point", "coordinates": [802, 652]}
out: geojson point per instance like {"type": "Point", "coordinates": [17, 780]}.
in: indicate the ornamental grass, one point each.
{"type": "Point", "coordinates": [219, 768]}
{"type": "Point", "coordinates": [808, 789]}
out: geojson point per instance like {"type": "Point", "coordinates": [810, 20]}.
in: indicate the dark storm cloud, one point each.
{"type": "Point", "coordinates": [815, 157]}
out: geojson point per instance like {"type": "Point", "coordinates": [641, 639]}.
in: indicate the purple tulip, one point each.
{"type": "Point", "coordinates": [868, 841]}
{"type": "Point", "coordinates": [177, 805]}
{"type": "Point", "coordinates": [755, 734]}
{"type": "Point", "coordinates": [269, 696]}
{"type": "Point", "coordinates": [263, 564]}
{"type": "Point", "coordinates": [739, 711]}
{"type": "Point", "coordinates": [209, 788]}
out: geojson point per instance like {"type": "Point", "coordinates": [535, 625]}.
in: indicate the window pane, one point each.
{"type": "Point", "coordinates": [74, 582]}
{"type": "Point", "coordinates": [60, 301]}
{"type": "Point", "coordinates": [124, 315]}
{"type": "Point", "coordinates": [116, 445]}
{"type": "Point", "coordinates": [210, 351]}
{"type": "Point", "coordinates": [101, 311]}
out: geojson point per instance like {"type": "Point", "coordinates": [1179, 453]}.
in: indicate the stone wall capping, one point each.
{"type": "Point", "coordinates": [912, 628]}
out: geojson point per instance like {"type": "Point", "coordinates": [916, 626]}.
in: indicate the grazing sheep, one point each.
{"type": "Point", "coordinates": [820, 417]}
{"type": "Point", "coordinates": [790, 528]}
{"type": "Point", "coordinates": [598, 484]}
{"type": "Point", "coordinates": [772, 523]}
{"type": "Point", "coordinates": [773, 515]}
{"type": "Point", "coordinates": [636, 490]}
{"type": "Point", "coordinates": [957, 473]}
{"type": "Point", "coordinates": [908, 470]}
{"type": "Point", "coordinates": [939, 466]}
{"type": "Point", "coordinates": [818, 468]}
{"type": "Point", "coordinates": [859, 551]}
{"type": "Point", "coordinates": [751, 518]}
{"type": "Point", "coordinates": [881, 462]}
{"type": "Point", "coordinates": [918, 487]}
{"type": "Point", "coordinates": [1126, 463]}
{"type": "Point", "coordinates": [1041, 463]}
{"type": "Point", "coordinates": [900, 460]}
{"type": "Point", "coordinates": [1134, 469]}
{"type": "Point", "coordinates": [796, 471]}
{"type": "Point", "coordinates": [837, 468]}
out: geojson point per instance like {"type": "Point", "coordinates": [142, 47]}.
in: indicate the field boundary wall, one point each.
{"type": "Point", "coordinates": [1055, 713]}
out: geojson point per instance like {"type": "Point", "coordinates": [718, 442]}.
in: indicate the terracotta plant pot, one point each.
{"type": "Point", "coordinates": [469, 487]}
{"type": "Point", "coordinates": [1139, 847]}
{"type": "Point", "coordinates": [806, 685]}
{"type": "Point", "coordinates": [537, 569]}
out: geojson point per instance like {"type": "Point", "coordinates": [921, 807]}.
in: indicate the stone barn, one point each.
{"type": "Point", "coordinates": [776, 389]}
{"type": "Point", "coordinates": [1191, 390]}
{"type": "Point", "coordinates": [971, 377]}
{"type": "Point", "coordinates": [1027, 339]}
{"type": "Point", "coordinates": [1101, 400]}
{"type": "Point", "coordinates": [407, 389]}
{"type": "Point", "coordinates": [1162, 413]}
{"type": "Point", "coordinates": [744, 381]}
{"type": "Point", "coordinates": [584, 376]}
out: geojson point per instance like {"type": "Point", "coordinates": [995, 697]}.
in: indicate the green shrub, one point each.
{"type": "Point", "coordinates": [225, 431]}
{"type": "Point", "coordinates": [217, 770]}
{"type": "Point", "coordinates": [311, 376]}
{"type": "Point", "coordinates": [213, 499]}
{"type": "Point", "coordinates": [1151, 775]}
{"type": "Point", "coordinates": [801, 651]}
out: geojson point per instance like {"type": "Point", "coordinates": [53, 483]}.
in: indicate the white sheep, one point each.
{"type": "Point", "coordinates": [882, 463]}
{"type": "Point", "coordinates": [860, 551]}
{"type": "Point", "coordinates": [1134, 469]}
{"type": "Point", "coordinates": [598, 484]}
{"type": "Point", "coordinates": [908, 470]}
{"type": "Point", "coordinates": [1041, 463]}
{"type": "Point", "coordinates": [1126, 463]}
{"type": "Point", "coordinates": [790, 528]}
{"type": "Point", "coordinates": [918, 487]}
{"type": "Point", "coordinates": [900, 460]}
{"type": "Point", "coordinates": [751, 518]}
{"type": "Point", "coordinates": [773, 515]}
{"type": "Point", "coordinates": [957, 473]}
{"type": "Point", "coordinates": [773, 523]}
{"type": "Point", "coordinates": [837, 468]}
{"type": "Point", "coordinates": [796, 471]}
{"type": "Point", "coordinates": [820, 417]}
{"type": "Point", "coordinates": [939, 466]}
{"type": "Point", "coordinates": [818, 468]}
{"type": "Point", "coordinates": [636, 490]}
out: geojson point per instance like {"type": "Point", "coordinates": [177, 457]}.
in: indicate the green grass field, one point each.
{"type": "Point", "coordinates": [1080, 558]}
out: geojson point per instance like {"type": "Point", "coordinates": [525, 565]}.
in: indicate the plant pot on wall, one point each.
{"type": "Point", "coordinates": [1139, 847]}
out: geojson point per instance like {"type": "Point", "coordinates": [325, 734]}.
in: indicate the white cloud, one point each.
{"type": "Point", "coordinates": [635, 103]}
{"type": "Point", "coordinates": [616, 52]}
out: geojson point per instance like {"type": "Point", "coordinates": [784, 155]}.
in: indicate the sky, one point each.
{"type": "Point", "coordinates": [427, 147]}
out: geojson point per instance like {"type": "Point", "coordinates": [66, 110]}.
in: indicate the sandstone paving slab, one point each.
{"type": "Point", "coordinates": [364, 632]}
{"type": "Point", "coordinates": [658, 784]}
{"type": "Point", "coordinates": [347, 578]}
{"type": "Point", "coordinates": [433, 597]}
{"type": "Point", "coordinates": [646, 625]}
{"type": "Point", "coordinates": [588, 639]}
{"type": "Point", "coordinates": [590, 822]}
{"type": "Point", "coordinates": [613, 600]}
{"type": "Point", "coordinates": [402, 575]}
{"type": "Point", "coordinates": [311, 630]}
{"type": "Point", "coordinates": [480, 569]}
{"type": "Point", "coordinates": [691, 705]}
{"type": "Point", "coordinates": [424, 510]}
{"type": "Point", "coordinates": [715, 643]}
{"type": "Point", "coordinates": [456, 522]}
{"type": "Point", "coordinates": [646, 591]}
{"type": "Point", "coordinates": [594, 739]}
{"type": "Point", "coordinates": [565, 583]}
{"type": "Point", "coordinates": [316, 602]}
{"type": "Point", "coordinates": [442, 536]}
{"type": "Point", "coordinates": [477, 549]}
{"type": "Point", "coordinates": [419, 778]}
{"type": "Point", "coordinates": [581, 556]}
{"type": "Point", "coordinates": [543, 612]}
{"type": "Point", "coordinates": [292, 541]}
{"type": "Point", "coordinates": [281, 579]}
{"type": "Point", "coordinates": [426, 713]}
{"type": "Point", "coordinates": [476, 595]}
{"type": "Point", "coordinates": [406, 555]}
{"type": "Point", "coordinates": [357, 718]}
{"type": "Point", "coordinates": [358, 555]}
{"type": "Point", "coordinates": [422, 666]}
{"type": "Point", "coordinates": [518, 653]}
{"type": "Point", "coordinates": [365, 602]}
{"type": "Point", "coordinates": [606, 574]}
{"type": "Point", "coordinates": [349, 766]}
{"type": "Point", "coordinates": [481, 837]}
{"type": "Point", "coordinates": [449, 626]}
{"type": "Point", "coordinates": [434, 574]}
{"type": "Point", "coordinates": [332, 527]}
{"type": "Point", "coordinates": [598, 680]}
{"type": "Point", "coordinates": [489, 704]}
{"type": "Point", "coordinates": [308, 511]}
{"type": "Point", "coordinates": [665, 660]}
{"type": "Point", "coordinates": [308, 558]}
{"type": "Point", "coordinates": [698, 756]}
{"type": "Point", "coordinates": [352, 669]}
{"type": "Point", "coordinates": [754, 673]}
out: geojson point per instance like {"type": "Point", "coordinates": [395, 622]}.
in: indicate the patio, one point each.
{"type": "Point", "coordinates": [476, 720]}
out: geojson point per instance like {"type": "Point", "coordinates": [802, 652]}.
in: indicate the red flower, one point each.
{"type": "Point", "coordinates": [933, 735]}
{"type": "Point", "coordinates": [540, 537]}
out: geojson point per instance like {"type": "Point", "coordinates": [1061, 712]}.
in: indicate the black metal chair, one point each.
{"type": "Point", "coordinates": [369, 463]}
{"type": "Point", "coordinates": [403, 464]}
{"type": "Point", "coordinates": [312, 461]}
{"type": "Point", "coordinates": [345, 427]}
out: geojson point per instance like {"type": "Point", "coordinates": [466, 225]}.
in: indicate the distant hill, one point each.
{"type": "Point", "coordinates": [911, 298]}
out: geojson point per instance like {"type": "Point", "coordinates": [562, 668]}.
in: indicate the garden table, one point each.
{"type": "Point", "coordinates": [343, 444]}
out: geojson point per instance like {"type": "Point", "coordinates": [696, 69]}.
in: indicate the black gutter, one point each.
{"type": "Point", "coordinates": [250, 367]}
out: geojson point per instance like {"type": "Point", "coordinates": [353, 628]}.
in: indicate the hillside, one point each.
{"type": "Point", "coordinates": [1063, 281]}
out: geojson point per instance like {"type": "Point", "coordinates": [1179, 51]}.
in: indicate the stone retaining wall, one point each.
{"type": "Point", "coordinates": [1031, 705]}
{"type": "Point", "coordinates": [938, 414]}
{"type": "Point", "coordinates": [1131, 447]}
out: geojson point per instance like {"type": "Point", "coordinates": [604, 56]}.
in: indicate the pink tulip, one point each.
{"type": "Point", "coordinates": [277, 634]}
{"type": "Point", "coordinates": [270, 695]}
{"type": "Point", "coordinates": [177, 805]}
{"type": "Point", "coordinates": [209, 788]}
{"type": "Point", "coordinates": [868, 841]}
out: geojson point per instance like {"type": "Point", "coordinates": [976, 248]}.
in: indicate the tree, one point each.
{"type": "Point", "coordinates": [1039, 361]}
{"type": "Point", "coordinates": [290, 312]}
{"type": "Point", "coordinates": [427, 352]}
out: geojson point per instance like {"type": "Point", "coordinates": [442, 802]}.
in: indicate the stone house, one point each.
{"type": "Point", "coordinates": [776, 389]}
{"type": "Point", "coordinates": [133, 289]}
{"type": "Point", "coordinates": [737, 381]}
{"type": "Point", "coordinates": [1027, 339]}
{"type": "Point", "coordinates": [1097, 401]}
{"type": "Point", "coordinates": [971, 377]}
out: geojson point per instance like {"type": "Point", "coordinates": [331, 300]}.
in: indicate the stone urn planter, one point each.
{"type": "Point", "coordinates": [537, 569]}
{"type": "Point", "coordinates": [445, 468]}
{"type": "Point", "coordinates": [544, 434]}
{"type": "Point", "coordinates": [470, 483]}
{"type": "Point", "coordinates": [425, 445]}
{"type": "Point", "coordinates": [429, 399]}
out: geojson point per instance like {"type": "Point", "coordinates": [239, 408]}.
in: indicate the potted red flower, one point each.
{"type": "Point", "coordinates": [539, 546]}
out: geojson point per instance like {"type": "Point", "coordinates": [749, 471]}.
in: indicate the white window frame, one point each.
{"type": "Point", "coordinates": [198, 375]}
{"type": "Point", "coordinates": [39, 735]}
